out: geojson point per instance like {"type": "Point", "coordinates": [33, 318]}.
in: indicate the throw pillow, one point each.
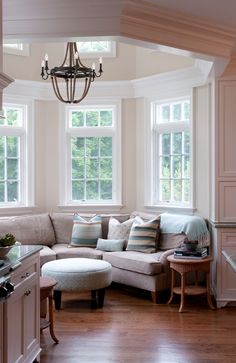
{"type": "Point", "coordinates": [110, 245]}
{"type": "Point", "coordinates": [117, 230]}
{"type": "Point", "coordinates": [86, 233]}
{"type": "Point", "coordinates": [144, 235]}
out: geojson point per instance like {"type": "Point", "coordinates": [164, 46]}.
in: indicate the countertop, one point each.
{"type": "Point", "coordinates": [21, 252]}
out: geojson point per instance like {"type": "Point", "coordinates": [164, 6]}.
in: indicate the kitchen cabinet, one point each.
{"type": "Point", "coordinates": [1, 332]}
{"type": "Point", "coordinates": [21, 314]}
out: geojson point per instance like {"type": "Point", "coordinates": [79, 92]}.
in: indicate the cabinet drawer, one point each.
{"type": "Point", "coordinates": [24, 272]}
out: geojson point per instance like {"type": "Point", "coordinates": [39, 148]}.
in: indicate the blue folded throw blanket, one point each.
{"type": "Point", "coordinates": [193, 226]}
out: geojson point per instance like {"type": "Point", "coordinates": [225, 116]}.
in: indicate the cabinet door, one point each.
{"type": "Point", "coordinates": [1, 332]}
{"type": "Point", "coordinates": [31, 320]}
{"type": "Point", "coordinates": [13, 330]}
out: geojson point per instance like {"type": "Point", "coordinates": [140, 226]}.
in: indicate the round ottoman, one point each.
{"type": "Point", "coordinates": [79, 274]}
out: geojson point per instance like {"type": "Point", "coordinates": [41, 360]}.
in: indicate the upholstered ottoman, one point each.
{"type": "Point", "coordinates": [79, 274]}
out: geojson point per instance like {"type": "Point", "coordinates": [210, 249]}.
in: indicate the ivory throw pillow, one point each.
{"type": "Point", "coordinates": [144, 235]}
{"type": "Point", "coordinates": [86, 233]}
{"type": "Point", "coordinates": [110, 245]}
{"type": "Point", "coordinates": [117, 230]}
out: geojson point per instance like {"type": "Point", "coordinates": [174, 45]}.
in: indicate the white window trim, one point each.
{"type": "Point", "coordinates": [64, 168]}
{"type": "Point", "coordinates": [109, 54]}
{"type": "Point", "coordinates": [25, 51]}
{"type": "Point", "coordinates": [149, 185]}
{"type": "Point", "coordinates": [27, 167]}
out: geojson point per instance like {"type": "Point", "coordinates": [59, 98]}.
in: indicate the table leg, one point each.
{"type": "Point", "coordinates": [209, 291]}
{"type": "Point", "coordinates": [182, 292]}
{"type": "Point", "coordinates": [50, 315]}
{"type": "Point", "coordinates": [172, 286]}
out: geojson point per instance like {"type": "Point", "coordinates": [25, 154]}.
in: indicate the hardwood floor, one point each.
{"type": "Point", "coordinates": [131, 329]}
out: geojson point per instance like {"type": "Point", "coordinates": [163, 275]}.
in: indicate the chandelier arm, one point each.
{"type": "Point", "coordinates": [74, 86]}
{"type": "Point", "coordinates": [86, 89]}
{"type": "Point", "coordinates": [67, 50]}
{"type": "Point", "coordinates": [56, 89]}
{"type": "Point", "coordinates": [67, 89]}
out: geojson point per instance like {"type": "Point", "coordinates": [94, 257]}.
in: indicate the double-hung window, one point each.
{"type": "Point", "coordinates": [15, 169]}
{"type": "Point", "coordinates": [92, 155]}
{"type": "Point", "coordinates": [171, 153]}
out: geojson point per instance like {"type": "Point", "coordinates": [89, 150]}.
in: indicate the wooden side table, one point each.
{"type": "Point", "coordinates": [183, 266]}
{"type": "Point", "coordinates": [46, 288]}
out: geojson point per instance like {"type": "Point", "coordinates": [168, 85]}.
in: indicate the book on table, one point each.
{"type": "Point", "coordinates": [198, 253]}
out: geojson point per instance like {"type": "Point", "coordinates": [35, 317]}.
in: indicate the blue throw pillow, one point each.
{"type": "Point", "coordinates": [110, 245]}
{"type": "Point", "coordinates": [86, 233]}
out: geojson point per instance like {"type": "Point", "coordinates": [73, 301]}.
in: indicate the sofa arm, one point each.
{"type": "Point", "coordinates": [165, 263]}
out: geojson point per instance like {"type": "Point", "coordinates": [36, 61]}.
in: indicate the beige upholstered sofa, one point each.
{"type": "Point", "coordinates": [148, 271]}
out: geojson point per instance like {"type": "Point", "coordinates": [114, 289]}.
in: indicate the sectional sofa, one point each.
{"type": "Point", "coordinates": [148, 271]}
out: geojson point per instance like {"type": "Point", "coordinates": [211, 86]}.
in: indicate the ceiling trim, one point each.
{"type": "Point", "coordinates": [151, 23]}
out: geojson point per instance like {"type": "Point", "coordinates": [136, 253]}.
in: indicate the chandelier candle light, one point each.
{"type": "Point", "coordinates": [70, 73]}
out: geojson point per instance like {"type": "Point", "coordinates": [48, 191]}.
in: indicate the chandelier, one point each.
{"type": "Point", "coordinates": [71, 73]}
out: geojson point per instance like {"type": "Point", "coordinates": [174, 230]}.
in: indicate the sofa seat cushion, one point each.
{"type": "Point", "coordinates": [47, 255]}
{"type": "Point", "coordinates": [62, 250]}
{"type": "Point", "coordinates": [148, 264]}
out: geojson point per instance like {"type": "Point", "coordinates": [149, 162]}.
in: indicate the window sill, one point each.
{"type": "Point", "coordinates": [171, 209]}
{"type": "Point", "coordinates": [16, 210]}
{"type": "Point", "coordinates": [91, 208]}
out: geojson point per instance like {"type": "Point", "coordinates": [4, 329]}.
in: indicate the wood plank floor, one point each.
{"type": "Point", "coordinates": [131, 329]}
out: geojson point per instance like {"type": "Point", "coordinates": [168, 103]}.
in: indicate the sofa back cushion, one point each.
{"type": "Point", "coordinates": [34, 229]}
{"type": "Point", "coordinates": [63, 224]}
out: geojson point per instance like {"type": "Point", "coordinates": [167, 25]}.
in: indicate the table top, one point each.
{"type": "Point", "coordinates": [189, 261]}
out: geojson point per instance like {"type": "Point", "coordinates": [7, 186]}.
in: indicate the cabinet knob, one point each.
{"type": "Point", "coordinates": [26, 275]}
{"type": "Point", "coordinates": [28, 292]}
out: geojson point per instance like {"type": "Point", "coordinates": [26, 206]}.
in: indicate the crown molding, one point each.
{"type": "Point", "coordinates": [5, 80]}
{"type": "Point", "coordinates": [151, 23]}
{"type": "Point", "coordinates": [44, 90]}
{"type": "Point", "coordinates": [176, 83]}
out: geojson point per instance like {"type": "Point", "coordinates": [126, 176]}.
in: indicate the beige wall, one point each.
{"type": "Point", "coordinates": [131, 62]}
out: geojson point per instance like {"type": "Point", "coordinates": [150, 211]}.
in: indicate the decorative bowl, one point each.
{"type": "Point", "coordinates": [4, 251]}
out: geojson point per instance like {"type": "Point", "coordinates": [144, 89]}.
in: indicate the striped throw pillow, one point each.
{"type": "Point", "coordinates": [144, 235]}
{"type": "Point", "coordinates": [86, 233]}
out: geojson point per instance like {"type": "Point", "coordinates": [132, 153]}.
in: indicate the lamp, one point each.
{"type": "Point", "coordinates": [70, 73]}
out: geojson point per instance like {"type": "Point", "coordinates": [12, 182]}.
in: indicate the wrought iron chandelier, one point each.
{"type": "Point", "coordinates": [71, 74]}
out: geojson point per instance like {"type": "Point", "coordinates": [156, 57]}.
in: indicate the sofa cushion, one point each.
{"type": "Point", "coordinates": [66, 251]}
{"type": "Point", "coordinates": [169, 241]}
{"type": "Point", "coordinates": [111, 245]}
{"type": "Point", "coordinates": [144, 263]}
{"type": "Point", "coordinates": [86, 233]}
{"type": "Point", "coordinates": [46, 255]}
{"type": "Point", "coordinates": [35, 229]}
{"type": "Point", "coordinates": [118, 230]}
{"type": "Point", "coordinates": [144, 235]}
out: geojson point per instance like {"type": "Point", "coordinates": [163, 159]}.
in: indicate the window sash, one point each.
{"type": "Point", "coordinates": [113, 132]}
{"type": "Point", "coordinates": [172, 182]}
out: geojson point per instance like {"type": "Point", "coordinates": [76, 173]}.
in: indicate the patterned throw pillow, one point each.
{"type": "Point", "coordinates": [110, 245]}
{"type": "Point", "coordinates": [86, 233]}
{"type": "Point", "coordinates": [117, 230]}
{"type": "Point", "coordinates": [144, 235]}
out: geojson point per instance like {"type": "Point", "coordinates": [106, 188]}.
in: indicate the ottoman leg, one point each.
{"type": "Point", "coordinates": [57, 299]}
{"type": "Point", "coordinates": [94, 299]}
{"type": "Point", "coordinates": [101, 295]}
